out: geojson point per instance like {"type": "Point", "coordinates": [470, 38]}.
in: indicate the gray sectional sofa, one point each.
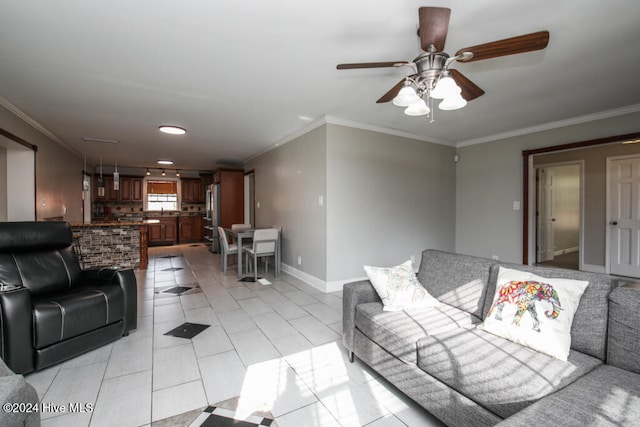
{"type": "Point", "coordinates": [468, 377]}
{"type": "Point", "coordinates": [21, 398]}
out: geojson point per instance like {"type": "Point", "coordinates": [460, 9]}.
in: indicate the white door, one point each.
{"type": "Point", "coordinates": [624, 218]}
{"type": "Point", "coordinates": [545, 215]}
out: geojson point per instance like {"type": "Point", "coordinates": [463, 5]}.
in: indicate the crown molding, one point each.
{"type": "Point", "coordinates": [332, 120]}
{"type": "Point", "coordinates": [552, 125]}
{"type": "Point", "coordinates": [34, 124]}
{"type": "Point", "coordinates": [381, 129]}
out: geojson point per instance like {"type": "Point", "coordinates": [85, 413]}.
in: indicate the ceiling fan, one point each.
{"type": "Point", "coordinates": [433, 77]}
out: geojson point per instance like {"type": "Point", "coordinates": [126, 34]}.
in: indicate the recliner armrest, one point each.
{"type": "Point", "coordinates": [16, 330]}
{"type": "Point", "coordinates": [353, 294]}
{"type": "Point", "coordinates": [126, 279]}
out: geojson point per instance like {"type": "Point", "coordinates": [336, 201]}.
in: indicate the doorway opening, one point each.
{"type": "Point", "coordinates": [558, 211]}
{"type": "Point", "coordinates": [249, 198]}
{"type": "Point", "coordinates": [18, 183]}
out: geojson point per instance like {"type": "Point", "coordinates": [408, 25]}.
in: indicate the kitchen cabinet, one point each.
{"type": "Point", "coordinates": [165, 232]}
{"type": "Point", "coordinates": [190, 229]}
{"type": "Point", "coordinates": [130, 189]}
{"type": "Point", "coordinates": [192, 190]}
{"type": "Point", "coordinates": [110, 195]}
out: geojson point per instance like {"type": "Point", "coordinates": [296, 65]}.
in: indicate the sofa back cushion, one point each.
{"type": "Point", "coordinates": [458, 280]}
{"type": "Point", "coordinates": [624, 327]}
{"type": "Point", "coordinates": [38, 255]}
{"type": "Point", "coordinates": [589, 328]}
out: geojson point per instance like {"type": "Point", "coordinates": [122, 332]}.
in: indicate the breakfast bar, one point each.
{"type": "Point", "coordinates": [116, 244]}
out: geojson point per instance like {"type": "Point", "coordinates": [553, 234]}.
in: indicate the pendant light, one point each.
{"type": "Point", "coordinates": [116, 175]}
{"type": "Point", "coordinates": [85, 175]}
{"type": "Point", "coordinates": [100, 181]}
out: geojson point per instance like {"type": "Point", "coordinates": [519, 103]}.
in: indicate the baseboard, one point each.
{"type": "Point", "coordinates": [566, 251]}
{"type": "Point", "coordinates": [337, 285]}
{"type": "Point", "coordinates": [305, 277]}
{"type": "Point", "coordinates": [319, 284]}
{"type": "Point", "coordinates": [591, 268]}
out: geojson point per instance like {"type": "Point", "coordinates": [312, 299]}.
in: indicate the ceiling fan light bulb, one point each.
{"type": "Point", "coordinates": [453, 103]}
{"type": "Point", "coordinates": [445, 88]}
{"type": "Point", "coordinates": [406, 97]}
{"type": "Point", "coordinates": [419, 108]}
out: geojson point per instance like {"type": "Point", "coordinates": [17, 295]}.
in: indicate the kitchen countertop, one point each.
{"type": "Point", "coordinates": [149, 218]}
{"type": "Point", "coordinates": [109, 223]}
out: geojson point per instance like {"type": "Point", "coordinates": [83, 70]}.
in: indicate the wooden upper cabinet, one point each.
{"type": "Point", "coordinates": [136, 189]}
{"type": "Point", "coordinates": [125, 189]}
{"type": "Point", "coordinates": [192, 190]}
{"type": "Point", "coordinates": [130, 189]}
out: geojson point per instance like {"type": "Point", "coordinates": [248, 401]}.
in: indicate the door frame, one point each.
{"type": "Point", "coordinates": [533, 205]}
{"type": "Point", "coordinates": [527, 165]}
{"type": "Point", "coordinates": [607, 253]}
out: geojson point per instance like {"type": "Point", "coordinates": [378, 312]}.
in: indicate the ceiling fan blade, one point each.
{"type": "Point", "coordinates": [391, 93]}
{"type": "Point", "coordinates": [434, 25]}
{"type": "Point", "coordinates": [370, 65]}
{"type": "Point", "coordinates": [510, 46]}
{"type": "Point", "coordinates": [469, 89]}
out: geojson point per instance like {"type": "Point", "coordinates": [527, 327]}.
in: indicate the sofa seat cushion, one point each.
{"type": "Point", "coordinates": [61, 316]}
{"type": "Point", "coordinates": [398, 331]}
{"type": "Point", "coordinates": [607, 396]}
{"type": "Point", "coordinates": [498, 374]}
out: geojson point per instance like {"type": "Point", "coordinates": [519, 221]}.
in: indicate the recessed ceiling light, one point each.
{"type": "Point", "coordinates": [173, 130]}
{"type": "Point", "coordinates": [165, 162]}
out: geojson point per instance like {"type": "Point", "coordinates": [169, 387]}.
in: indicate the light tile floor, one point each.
{"type": "Point", "coordinates": [276, 347]}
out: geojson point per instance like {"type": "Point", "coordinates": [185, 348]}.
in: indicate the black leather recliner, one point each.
{"type": "Point", "coordinates": [51, 309]}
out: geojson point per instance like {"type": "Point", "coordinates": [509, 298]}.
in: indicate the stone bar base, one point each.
{"type": "Point", "coordinates": [107, 245]}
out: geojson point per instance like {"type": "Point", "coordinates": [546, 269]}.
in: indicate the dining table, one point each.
{"type": "Point", "coordinates": [245, 234]}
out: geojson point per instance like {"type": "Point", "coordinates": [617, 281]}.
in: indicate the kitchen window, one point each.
{"type": "Point", "coordinates": [162, 196]}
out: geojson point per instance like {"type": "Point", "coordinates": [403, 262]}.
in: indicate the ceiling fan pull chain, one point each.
{"type": "Point", "coordinates": [432, 119]}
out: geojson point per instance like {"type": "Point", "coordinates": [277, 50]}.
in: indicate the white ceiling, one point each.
{"type": "Point", "coordinates": [241, 76]}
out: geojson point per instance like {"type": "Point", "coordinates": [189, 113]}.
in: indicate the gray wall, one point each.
{"type": "Point", "coordinates": [388, 198]}
{"type": "Point", "coordinates": [489, 180]}
{"type": "Point", "coordinates": [288, 181]}
{"type": "Point", "coordinates": [384, 199]}
{"type": "Point", "coordinates": [58, 171]}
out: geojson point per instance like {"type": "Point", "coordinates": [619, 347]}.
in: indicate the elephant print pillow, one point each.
{"type": "Point", "coordinates": [534, 311]}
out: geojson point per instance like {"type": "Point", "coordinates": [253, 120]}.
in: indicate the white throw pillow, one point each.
{"type": "Point", "coordinates": [399, 288]}
{"type": "Point", "coordinates": [534, 311]}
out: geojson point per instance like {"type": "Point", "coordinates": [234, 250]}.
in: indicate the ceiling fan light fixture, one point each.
{"type": "Point", "coordinates": [453, 103]}
{"type": "Point", "coordinates": [445, 88]}
{"type": "Point", "coordinates": [419, 108]}
{"type": "Point", "coordinates": [406, 97]}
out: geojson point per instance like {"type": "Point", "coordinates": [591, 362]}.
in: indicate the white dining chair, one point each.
{"type": "Point", "coordinates": [227, 249]}
{"type": "Point", "coordinates": [265, 244]}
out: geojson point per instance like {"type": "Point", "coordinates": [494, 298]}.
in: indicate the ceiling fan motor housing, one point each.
{"type": "Point", "coordinates": [429, 67]}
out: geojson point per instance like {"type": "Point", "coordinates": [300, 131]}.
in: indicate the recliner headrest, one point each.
{"type": "Point", "coordinates": [30, 235]}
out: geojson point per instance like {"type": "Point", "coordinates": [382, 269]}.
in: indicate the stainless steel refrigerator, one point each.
{"type": "Point", "coordinates": [212, 220]}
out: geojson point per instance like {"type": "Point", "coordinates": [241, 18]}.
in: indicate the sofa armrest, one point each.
{"type": "Point", "coordinates": [623, 348]}
{"type": "Point", "coordinates": [353, 294]}
{"type": "Point", "coordinates": [16, 330]}
{"type": "Point", "coordinates": [126, 279]}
